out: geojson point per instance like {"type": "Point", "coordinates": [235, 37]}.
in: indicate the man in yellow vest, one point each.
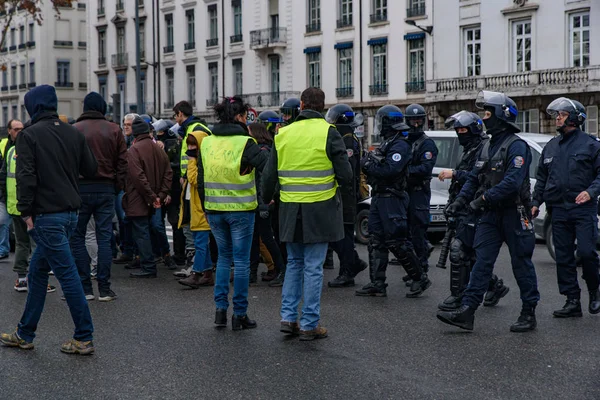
{"type": "Point", "coordinates": [309, 161]}
{"type": "Point", "coordinates": [4, 217]}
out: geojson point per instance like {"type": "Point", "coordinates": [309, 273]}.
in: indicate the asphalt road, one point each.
{"type": "Point", "coordinates": [157, 341]}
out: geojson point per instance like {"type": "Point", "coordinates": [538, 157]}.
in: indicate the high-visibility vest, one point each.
{"type": "Point", "coordinates": [3, 146]}
{"type": "Point", "coordinates": [183, 162]}
{"type": "Point", "coordinates": [305, 171]}
{"type": "Point", "coordinates": [224, 188]}
{"type": "Point", "coordinates": [11, 182]}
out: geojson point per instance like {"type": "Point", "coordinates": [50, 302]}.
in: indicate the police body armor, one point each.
{"type": "Point", "coordinates": [466, 164]}
{"type": "Point", "coordinates": [393, 185]}
{"type": "Point", "coordinates": [492, 172]}
{"type": "Point", "coordinates": [418, 184]}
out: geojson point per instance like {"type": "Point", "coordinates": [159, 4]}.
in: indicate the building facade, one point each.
{"type": "Point", "coordinates": [53, 53]}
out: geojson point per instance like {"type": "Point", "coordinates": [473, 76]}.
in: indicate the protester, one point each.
{"type": "Point", "coordinates": [51, 156]}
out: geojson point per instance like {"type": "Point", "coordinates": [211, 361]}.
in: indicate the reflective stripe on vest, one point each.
{"type": "Point", "coordinates": [11, 182]}
{"type": "Point", "coordinates": [305, 171]}
{"type": "Point", "coordinates": [184, 160]}
{"type": "Point", "coordinates": [224, 188]}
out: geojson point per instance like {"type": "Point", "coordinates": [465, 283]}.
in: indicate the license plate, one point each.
{"type": "Point", "coordinates": [438, 218]}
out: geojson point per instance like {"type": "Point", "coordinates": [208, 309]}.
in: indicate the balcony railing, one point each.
{"type": "Point", "coordinates": [3, 50]}
{"type": "Point", "coordinates": [100, 11]}
{"type": "Point", "coordinates": [416, 10]}
{"type": "Point", "coordinates": [140, 3]}
{"type": "Point", "coordinates": [345, 21]}
{"type": "Point", "coordinates": [169, 49]}
{"type": "Point", "coordinates": [31, 44]}
{"type": "Point", "coordinates": [120, 60]}
{"type": "Point", "coordinates": [268, 38]}
{"type": "Point", "coordinates": [314, 27]}
{"type": "Point", "coordinates": [344, 92]}
{"type": "Point", "coordinates": [379, 17]}
{"type": "Point", "coordinates": [63, 84]}
{"type": "Point", "coordinates": [63, 43]}
{"type": "Point", "coordinates": [416, 86]}
{"type": "Point", "coordinates": [31, 85]}
{"type": "Point", "coordinates": [101, 60]}
{"type": "Point", "coordinates": [81, 6]}
{"type": "Point", "coordinates": [378, 90]}
{"type": "Point", "coordinates": [212, 42]}
{"type": "Point", "coordinates": [120, 6]}
{"type": "Point", "coordinates": [268, 99]}
{"type": "Point", "coordinates": [142, 55]}
{"type": "Point", "coordinates": [4, 88]}
{"type": "Point", "coordinates": [13, 87]}
{"type": "Point", "coordinates": [82, 45]}
{"type": "Point", "coordinates": [22, 86]}
{"type": "Point", "coordinates": [236, 38]}
{"type": "Point", "coordinates": [22, 46]}
{"type": "Point", "coordinates": [12, 48]}
{"type": "Point", "coordinates": [83, 85]}
{"type": "Point", "coordinates": [189, 46]}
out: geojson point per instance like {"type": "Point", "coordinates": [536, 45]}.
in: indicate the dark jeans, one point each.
{"type": "Point", "coordinates": [24, 245]}
{"type": "Point", "coordinates": [171, 212]}
{"type": "Point", "coordinates": [51, 234]}
{"type": "Point", "coordinates": [264, 230]}
{"type": "Point", "coordinates": [125, 229]}
{"type": "Point", "coordinates": [101, 207]}
{"type": "Point", "coordinates": [141, 235]}
{"type": "Point", "coordinates": [158, 235]}
{"type": "Point", "coordinates": [346, 251]}
{"type": "Point", "coordinates": [418, 222]}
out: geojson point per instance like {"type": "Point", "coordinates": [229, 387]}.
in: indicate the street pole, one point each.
{"type": "Point", "coordinates": [138, 69]}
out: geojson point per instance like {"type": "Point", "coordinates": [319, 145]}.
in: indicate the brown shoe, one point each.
{"type": "Point", "coordinates": [270, 275]}
{"type": "Point", "coordinates": [192, 281]}
{"type": "Point", "coordinates": [208, 278]}
{"type": "Point", "coordinates": [318, 333]}
{"type": "Point", "coordinates": [290, 328]}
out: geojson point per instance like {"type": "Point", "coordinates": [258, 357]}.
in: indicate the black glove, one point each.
{"type": "Point", "coordinates": [263, 211]}
{"type": "Point", "coordinates": [478, 204]}
{"type": "Point", "coordinates": [455, 207]}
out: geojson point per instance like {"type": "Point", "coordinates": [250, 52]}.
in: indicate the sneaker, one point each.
{"type": "Point", "coordinates": [20, 286]}
{"type": "Point", "coordinates": [88, 297]}
{"type": "Point", "coordinates": [108, 296]}
{"type": "Point", "coordinates": [189, 257]}
{"type": "Point", "coordinates": [13, 340]}
{"type": "Point", "coordinates": [76, 347]}
{"type": "Point", "coordinates": [184, 273]}
{"type": "Point", "coordinates": [94, 272]}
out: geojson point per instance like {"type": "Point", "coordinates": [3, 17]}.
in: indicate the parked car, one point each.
{"type": "Point", "coordinates": [449, 153]}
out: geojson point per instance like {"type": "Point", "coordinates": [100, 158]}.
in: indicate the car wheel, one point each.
{"type": "Point", "coordinates": [435, 237]}
{"type": "Point", "coordinates": [549, 241]}
{"type": "Point", "coordinates": [361, 231]}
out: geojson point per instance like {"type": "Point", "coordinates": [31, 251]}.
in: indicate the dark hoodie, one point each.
{"type": "Point", "coordinates": [108, 145]}
{"type": "Point", "coordinates": [51, 156]}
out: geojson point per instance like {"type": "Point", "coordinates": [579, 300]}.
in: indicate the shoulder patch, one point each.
{"type": "Point", "coordinates": [548, 160]}
{"type": "Point", "coordinates": [479, 164]}
{"type": "Point", "coordinates": [518, 161]}
{"type": "Point", "coordinates": [350, 152]}
{"type": "Point", "coordinates": [428, 155]}
{"type": "Point", "coordinates": [396, 157]}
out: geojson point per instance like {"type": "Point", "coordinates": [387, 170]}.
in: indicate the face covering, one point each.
{"type": "Point", "coordinates": [465, 139]}
{"type": "Point", "coordinates": [192, 153]}
{"type": "Point", "coordinates": [492, 122]}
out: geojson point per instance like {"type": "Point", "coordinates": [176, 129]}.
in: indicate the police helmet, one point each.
{"type": "Point", "coordinates": [574, 108]}
{"type": "Point", "coordinates": [390, 120]}
{"type": "Point", "coordinates": [162, 125]}
{"type": "Point", "coordinates": [414, 114]}
{"type": "Point", "coordinates": [340, 114]}
{"type": "Point", "coordinates": [269, 116]}
{"type": "Point", "coordinates": [290, 109]}
{"type": "Point", "coordinates": [466, 119]}
{"type": "Point", "coordinates": [503, 107]}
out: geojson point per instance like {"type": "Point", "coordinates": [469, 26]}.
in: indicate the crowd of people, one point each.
{"type": "Point", "coordinates": [87, 195]}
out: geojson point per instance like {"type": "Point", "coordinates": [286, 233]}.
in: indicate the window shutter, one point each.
{"type": "Point", "coordinates": [534, 120]}
{"type": "Point", "coordinates": [592, 120]}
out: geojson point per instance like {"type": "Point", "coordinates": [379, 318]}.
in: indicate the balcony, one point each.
{"type": "Point", "coordinates": [64, 85]}
{"type": "Point", "coordinates": [417, 10]}
{"type": "Point", "coordinates": [31, 85]}
{"type": "Point", "coordinates": [83, 85]}
{"type": "Point", "coordinates": [344, 22]}
{"type": "Point", "coordinates": [268, 99]}
{"type": "Point", "coordinates": [379, 17]}
{"type": "Point", "coordinates": [142, 55]}
{"type": "Point", "coordinates": [13, 87]}
{"type": "Point", "coordinates": [12, 48]}
{"type": "Point", "coordinates": [268, 38]}
{"type": "Point", "coordinates": [212, 42]}
{"type": "Point", "coordinates": [140, 3]}
{"type": "Point", "coordinates": [82, 45]}
{"type": "Point", "coordinates": [120, 60]}
{"type": "Point", "coordinates": [22, 86]}
{"type": "Point", "coordinates": [533, 83]}
{"type": "Point", "coordinates": [63, 43]}
{"type": "Point", "coordinates": [189, 46]}
{"type": "Point", "coordinates": [314, 27]}
{"type": "Point", "coordinates": [169, 49]}
{"type": "Point", "coordinates": [31, 44]}
{"type": "Point", "coordinates": [101, 60]}
{"type": "Point", "coordinates": [101, 11]}
{"type": "Point", "coordinates": [4, 88]}
{"type": "Point", "coordinates": [4, 50]}
{"type": "Point", "coordinates": [81, 6]}
{"type": "Point", "coordinates": [236, 38]}
{"type": "Point", "coordinates": [344, 92]}
{"type": "Point", "coordinates": [416, 86]}
{"type": "Point", "coordinates": [120, 6]}
{"type": "Point", "coordinates": [378, 90]}
{"type": "Point", "coordinates": [22, 46]}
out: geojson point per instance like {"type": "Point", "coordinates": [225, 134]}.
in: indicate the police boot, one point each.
{"type": "Point", "coordinates": [451, 303]}
{"type": "Point", "coordinates": [418, 287]}
{"type": "Point", "coordinates": [572, 308]}
{"type": "Point", "coordinates": [464, 317]}
{"type": "Point", "coordinates": [526, 321]}
{"type": "Point", "coordinates": [496, 291]}
{"type": "Point", "coordinates": [341, 281]}
{"type": "Point", "coordinates": [376, 289]}
{"type": "Point", "coordinates": [594, 301]}
{"type": "Point", "coordinates": [407, 280]}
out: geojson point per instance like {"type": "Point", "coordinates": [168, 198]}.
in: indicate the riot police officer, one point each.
{"type": "Point", "coordinates": [469, 129]}
{"type": "Point", "coordinates": [424, 156]}
{"type": "Point", "coordinates": [499, 182]}
{"type": "Point", "coordinates": [387, 172]}
{"type": "Point", "coordinates": [290, 109]}
{"type": "Point", "coordinates": [346, 121]}
{"type": "Point", "coordinates": [568, 181]}
{"type": "Point", "coordinates": [271, 121]}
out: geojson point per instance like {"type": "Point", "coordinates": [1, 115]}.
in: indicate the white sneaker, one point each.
{"type": "Point", "coordinates": [88, 297]}
{"type": "Point", "coordinates": [184, 273]}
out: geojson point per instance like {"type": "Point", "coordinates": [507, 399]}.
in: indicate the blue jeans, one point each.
{"type": "Point", "coordinates": [51, 232]}
{"type": "Point", "coordinates": [202, 260]}
{"type": "Point", "coordinates": [101, 207]}
{"type": "Point", "coordinates": [158, 234]}
{"type": "Point", "coordinates": [304, 274]}
{"type": "Point", "coordinates": [4, 230]}
{"type": "Point", "coordinates": [233, 233]}
{"type": "Point", "coordinates": [141, 234]}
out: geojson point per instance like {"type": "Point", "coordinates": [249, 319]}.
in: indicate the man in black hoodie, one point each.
{"type": "Point", "coordinates": [51, 156]}
{"type": "Point", "coordinates": [98, 193]}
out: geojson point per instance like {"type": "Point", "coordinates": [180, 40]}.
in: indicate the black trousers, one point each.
{"type": "Point", "coordinates": [263, 230]}
{"type": "Point", "coordinates": [346, 251]}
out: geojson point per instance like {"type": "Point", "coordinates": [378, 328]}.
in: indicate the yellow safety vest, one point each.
{"type": "Point", "coordinates": [11, 182]}
{"type": "Point", "coordinates": [224, 188]}
{"type": "Point", "coordinates": [3, 146]}
{"type": "Point", "coordinates": [183, 162]}
{"type": "Point", "coordinates": [305, 171]}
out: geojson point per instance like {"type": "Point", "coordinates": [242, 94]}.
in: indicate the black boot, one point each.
{"type": "Point", "coordinates": [221, 318]}
{"type": "Point", "coordinates": [239, 323]}
{"type": "Point", "coordinates": [463, 317]}
{"type": "Point", "coordinates": [341, 281]}
{"type": "Point", "coordinates": [451, 303]}
{"type": "Point", "coordinates": [277, 282]}
{"type": "Point", "coordinates": [418, 287]}
{"type": "Point", "coordinates": [594, 301]}
{"type": "Point", "coordinates": [377, 289]}
{"type": "Point", "coordinates": [407, 281]}
{"type": "Point", "coordinates": [360, 267]}
{"type": "Point", "coordinates": [526, 321]}
{"type": "Point", "coordinates": [496, 291]}
{"type": "Point", "coordinates": [572, 308]}
{"type": "Point", "coordinates": [253, 276]}
{"type": "Point", "coordinates": [328, 259]}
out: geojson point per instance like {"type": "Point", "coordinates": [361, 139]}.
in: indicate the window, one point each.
{"type": "Point", "coordinates": [31, 33]}
{"type": "Point", "coordinates": [274, 61]}
{"type": "Point", "coordinates": [379, 69]}
{"type": "Point", "coordinates": [213, 20]}
{"type": "Point", "coordinates": [415, 8]}
{"type": "Point", "coordinates": [191, 29]}
{"type": "Point", "coordinates": [472, 51]}
{"type": "Point", "coordinates": [345, 13]}
{"type": "Point", "coordinates": [580, 39]}
{"type": "Point", "coordinates": [142, 34]}
{"type": "Point", "coordinates": [5, 115]}
{"type": "Point", "coordinates": [591, 123]}
{"type": "Point", "coordinates": [191, 84]}
{"type": "Point", "coordinates": [15, 111]}
{"type": "Point", "coordinates": [529, 121]}
{"type": "Point", "coordinates": [238, 76]}
{"type": "Point", "coordinates": [13, 37]}
{"type": "Point", "coordinates": [13, 72]}
{"type": "Point", "coordinates": [102, 89]}
{"type": "Point", "coordinates": [521, 36]}
{"type": "Point", "coordinates": [237, 17]}
{"type": "Point", "coordinates": [32, 72]}
{"type": "Point", "coordinates": [23, 69]}
{"type": "Point", "coordinates": [63, 69]}
{"type": "Point", "coordinates": [416, 65]}
{"type": "Point", "coordinates": [213, 74]}
{"type": "Point", "coordinates": [379, 11]}
{"type": "Point", "coordinates": [22, 34]}
{"type": "Point", "coordinates": [4, 78]}
{"type": "Point", "coordinates": [314, 69]}
{"type": "Point", "coordinates": [314, 16]}
{"type": "Point", "coordinates": [170, 87]}
{"type": "Point", "coordinates": [101, 47]}
{"type": "Point", "coordinates": [121, 47]}
{"type": "Point", "coordinates": [169, 27]}
{"type": "Point", "coordinates": [23, 113]}
{"type": "Point", "coordinates": [345, 72]}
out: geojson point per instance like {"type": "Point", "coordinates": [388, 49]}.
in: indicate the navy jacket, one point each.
{"type": "Point", "coordinates": [568, 166]}
{"type": "Point", "coordinates": [423, 161]}
{"type": "Point", "coordinates": [387, 173]}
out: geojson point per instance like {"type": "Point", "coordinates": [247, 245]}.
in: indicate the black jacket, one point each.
{"type": "Point", "coordinates": [50, 157]}
{"type": "Point", "coordinates": [350, 193]}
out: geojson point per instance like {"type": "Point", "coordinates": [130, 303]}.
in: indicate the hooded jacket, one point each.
{"type": "Point", "coordinates": [193, 210]}
{"type": "Point", "coordinates": [51, 156]}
